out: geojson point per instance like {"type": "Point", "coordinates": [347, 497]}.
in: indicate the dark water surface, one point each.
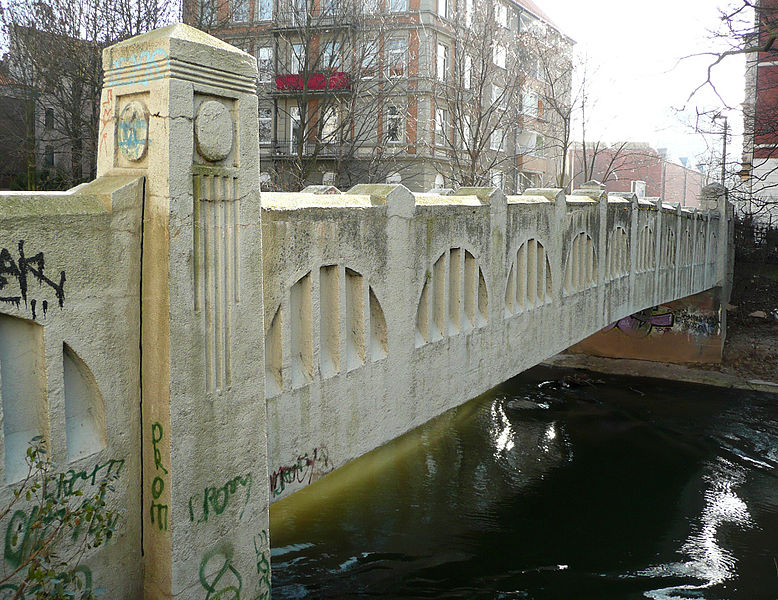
{"type": "Point", "coordinates": [547, 488]}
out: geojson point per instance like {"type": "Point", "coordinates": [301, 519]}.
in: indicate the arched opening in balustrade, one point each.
{"type": "Point", "coordinates": [453, 299]}
{"type": "Point", "coordinates": [581, 266]}
{"type": "Point", "coordinates": [529, 278]}
{"type": "Point", "coordinates": [618, 254]}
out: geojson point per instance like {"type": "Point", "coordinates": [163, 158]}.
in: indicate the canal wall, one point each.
{"type": "Point", "coordinates": [217, 351]}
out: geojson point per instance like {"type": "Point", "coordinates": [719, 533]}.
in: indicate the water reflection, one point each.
{"type": "Point", "coordinates": [549, 489]}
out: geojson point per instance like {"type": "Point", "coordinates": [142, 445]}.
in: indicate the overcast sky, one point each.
{"type": "Point", "coordinates": [635, 48]}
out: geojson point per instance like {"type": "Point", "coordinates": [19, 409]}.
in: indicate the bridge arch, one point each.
{"type": "Point", "coordinates": [581, 266]}
{"type": "Point", "coordinates": [340, 304]}
{"type": "Point", "coordinates": [529, 283]}
{"type": "Point", "coordinates": [618, 254]}
{"type": "Point", "coordinates": [454, 298]}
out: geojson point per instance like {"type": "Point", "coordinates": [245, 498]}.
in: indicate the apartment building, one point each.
{"type": "Point", "coordinates": [430, 93]}
{"type": "Point", "coordinates": [760, 111]}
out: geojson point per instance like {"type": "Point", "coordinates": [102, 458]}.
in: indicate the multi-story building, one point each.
{"type": "Point", "coordinates": [355, 91]}
{"type": "Point", "coordinates": [639, 168]}
{"type": "Point", "coordinates": [760, 111]}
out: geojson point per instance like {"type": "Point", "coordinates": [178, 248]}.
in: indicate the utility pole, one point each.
{"type": "Point", "coordinates": [724, 149]}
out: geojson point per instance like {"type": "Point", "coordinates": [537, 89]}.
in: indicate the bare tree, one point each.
{"type": "Point", "coordinates": [748, 28]}
{"type": "Point", "coordinates": [339, 93]}
{"type": "Point", "coordinates": [55, 51]}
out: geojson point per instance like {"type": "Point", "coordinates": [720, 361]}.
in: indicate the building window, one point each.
{"type": "Point", "coordinates": [495, 178]}
{"type": "Point", "coordinates": [240, 11]}
{"type": "Point", "coordinates": [48, 157]}
{"type": "Point", "coordinates": [297, 59]}
{"type": "Point", "coordinates": [442, 64]}
{"type": "Point", "coordinates": [501, 14]}
{"type": "Point", "coordinates": [265, 125]}
{"type": "Point", "coordinates": [207, 12]}
{"type": "Point", "coordinates": [369, 59]}
{"type": "Point", "coordinates": [330, 56]}
{"type": "Point", "coordinates": [443, 9]}
{"type": "Point", "coordinates": [499, 55]}
{"type": "Point", "coordinates": [529, 104]}
{"type": "Point", "coordinates": [330, 7]}
{"type": "Point", "coordinates": [441, 122]}
{"type": "Point", "coordinates": [265, 64]}
{"type": "Point", "coordinates": [48, 118]}
{"type": "Point", "coordinates": [498, 95]}
{"type": "Point", "coordinates": [496, 139]}
{"type": "Point", "coordinates": [329, 125]}
{"type": "Point", "coordinates": [394, 120]}
{"type": "Point", "coordinates": [264, 10]}
{"type": "Point", "coordinates": [398, 5]}
{"type": "Point", "coordinates": [396, 52]}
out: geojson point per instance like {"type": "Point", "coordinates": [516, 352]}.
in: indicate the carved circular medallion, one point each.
{"type": "Point", "coordinates": [132, 134]}
{"type": "Point", "coordinates": [213, 131]}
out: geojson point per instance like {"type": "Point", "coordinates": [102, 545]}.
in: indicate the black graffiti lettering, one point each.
{"type": "Point", "coordinates": [20, 269]}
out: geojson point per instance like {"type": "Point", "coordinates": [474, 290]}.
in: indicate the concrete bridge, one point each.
{"type": "Point", "coordinates": [220, 351]}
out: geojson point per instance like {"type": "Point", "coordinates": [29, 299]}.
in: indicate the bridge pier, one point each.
{"type": "Point", "coordinates": [179, 107]}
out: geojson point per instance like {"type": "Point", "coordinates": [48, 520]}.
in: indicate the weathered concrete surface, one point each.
{"type": "Point", "coordinates": [204, 463]}
{"type": "Point", "coordinates": [384, 309]}
{"type": "Point", "coordinates": [69, 357]}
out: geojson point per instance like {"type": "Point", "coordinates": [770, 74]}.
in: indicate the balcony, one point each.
{"type": "Point", "coordinates": [289, 148]}
{"type": "Point", "coordinates": [294, 83]}
{"type": "Point", "coordinates": [302, 19]}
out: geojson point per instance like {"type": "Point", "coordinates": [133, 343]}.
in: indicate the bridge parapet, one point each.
{"type": "Point", "coordinates": [414, 303]}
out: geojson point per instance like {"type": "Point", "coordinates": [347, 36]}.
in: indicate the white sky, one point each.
{"type": "Point", "coordinates": [635, 48]}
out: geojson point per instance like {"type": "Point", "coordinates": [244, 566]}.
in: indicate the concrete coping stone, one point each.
{"type": "Point", "coordinates": [646, 204]}
{"type": "Point", "coordinates": [426, 199]}
{"type": "Point", "coordinates": [623, 195]}
{"type": "Point", "coordinates": [624, 201]}
{"type": "Point", "coordinates": [593, 194]}
{"type": "Point", "coordinates": [484, 194]}
{"type": "Point", "coordinates": [303, 200]}
{"type": "Point", "coordinates": [551, 194]}
{"type": "Point", "coordinates": [580, 200]}
{"type": "Point", "coordinates": [86, 199]}
{"type": "Point", "coordinates": [529, 199]}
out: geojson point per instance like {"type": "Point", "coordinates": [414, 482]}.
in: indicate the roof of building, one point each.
{"type": "Point", "coordinates": [530, 6]}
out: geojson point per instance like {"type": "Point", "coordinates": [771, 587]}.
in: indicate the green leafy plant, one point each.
{"type": "Point", "coordinates": [50, 527]}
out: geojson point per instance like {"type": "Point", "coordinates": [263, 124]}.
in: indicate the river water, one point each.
{"type": "Point", "coordinates": [552, 485]}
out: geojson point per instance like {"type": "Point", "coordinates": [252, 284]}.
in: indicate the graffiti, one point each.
{"type": "Point", "coordinates": [133, 131]}
{"type": "Point", "coordinates": [301, 471]}
{"type": "Point", "coordinates": [67, 483]}
{"type": "Point", "coordinates": [20, 270]}
{"type": "Point", "coordinates": [641, 324]}
{"type": "Point", "coordinates": [225, 583]}
{"type": "Point", "coordinates": [138, 68]}
{"type": "Point", "coordinates": [216, 499]}
{"type": "Point", "coordinates": [697, 323]}
{"type": "Point", "coordinates": [106, 116]}
{"type": "Point", "coordinates": [159, 511]}
{"type": "Point", "coordinates": [82, 575]}
{"type": "Point", "coordinates": [261, 546]}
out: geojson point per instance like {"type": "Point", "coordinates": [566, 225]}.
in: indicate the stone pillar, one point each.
{"type": "Point", "coordinates": [634, 234]}
{"type": "Point", "coordinates": [180, 107]}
